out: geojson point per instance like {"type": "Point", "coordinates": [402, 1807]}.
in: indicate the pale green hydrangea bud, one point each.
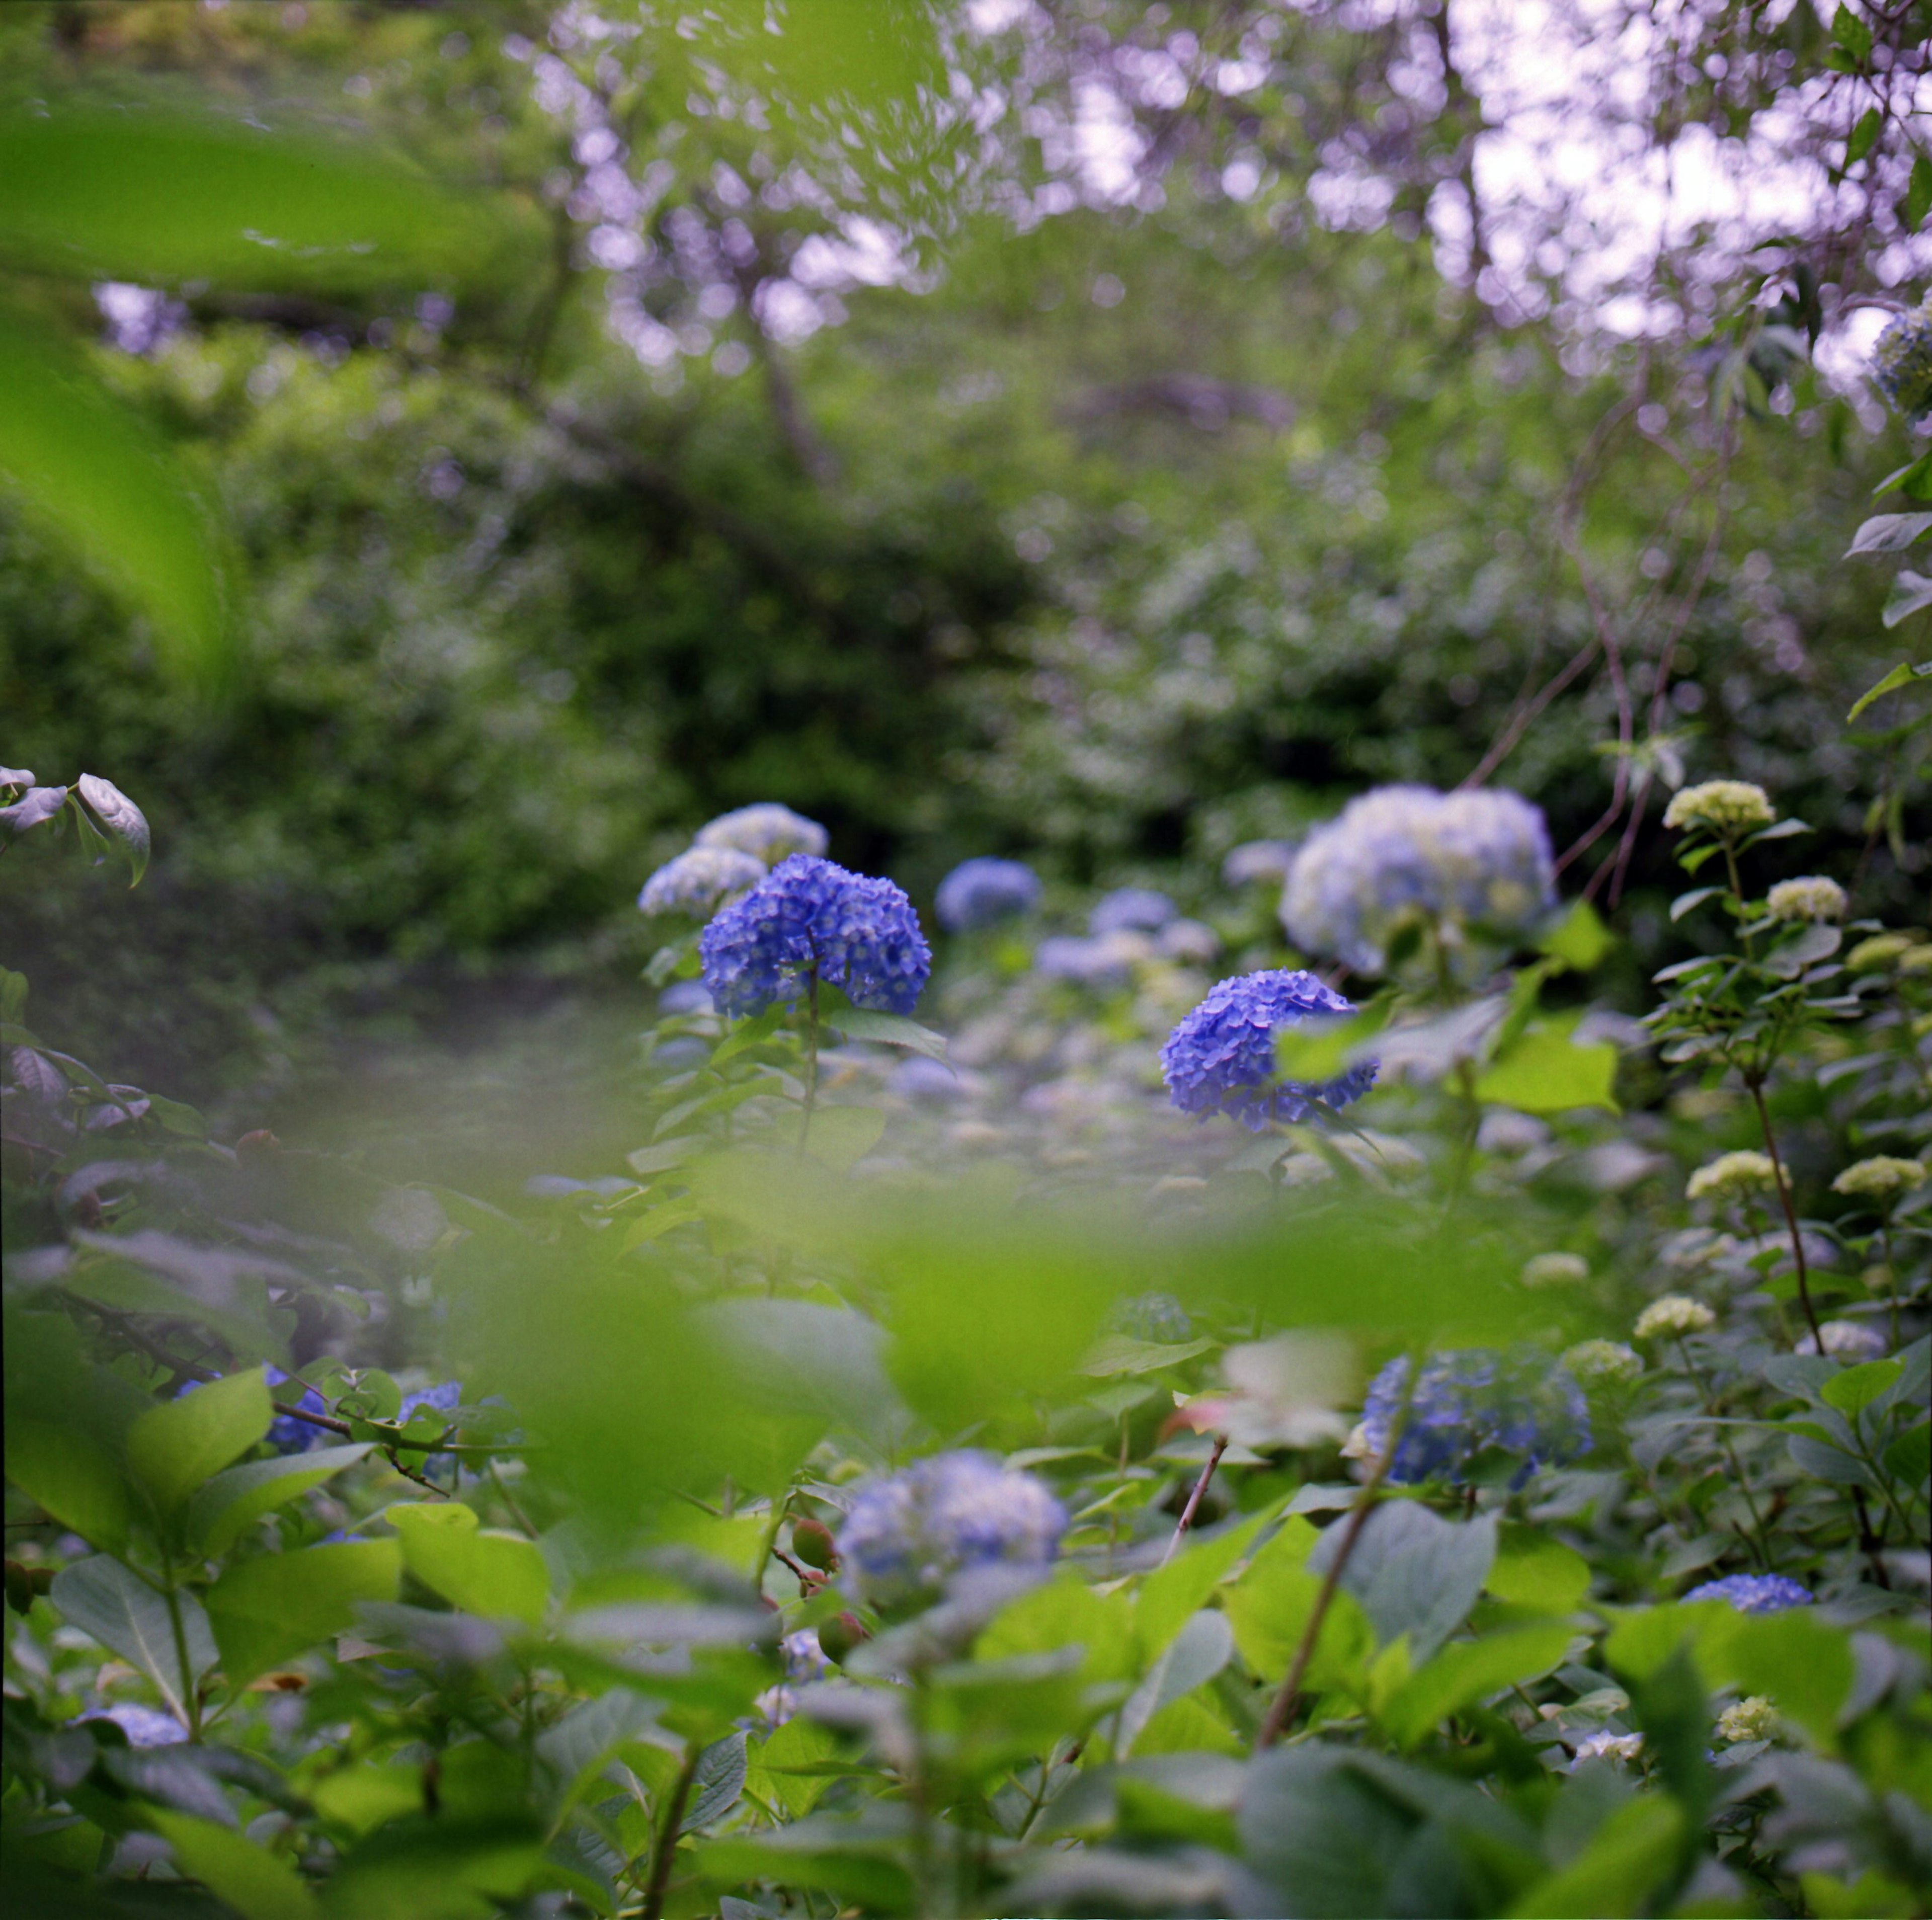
{"type": "Point", "coordinates": [1724, 806]}
{"type": "Point", "coordinates": [1604, 1363]}
{"type": "Point", "coordinates": [1555, 1269]}
{"type": "Point", "coordinates": [1675, 1313]}
{"type": "Point", "coordinates": [1812, 898]}
{"type": "Point", "coordinates": [1731, 1176]}
{"type": "Point", "coordinates": [1881, 950]}
{"type": "Point", "coordinates": [1754, 1718]}
{"type": "Point", "coordinates": [1881, 1177]}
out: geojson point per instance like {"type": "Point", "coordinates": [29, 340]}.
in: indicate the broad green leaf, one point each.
{"type": "Point", "coordinates": [1116, 1354]}
{"type": "Point", "coordinates": [1170, 1595]}
{"type": "Point", "coordinates": [1466, 1671]}
{"type": "Point", "coordinates": [840, 1137]}
{"type": "Point", "coordinates": [1533, 1569]}
{"type": "Point", "coordinates": [1888, 533]}
{"type": "Point", "coordinates": [482, 1570]}
{"type": "Point", "coordinates": [789, 1768]}
{"type": "Point", "coordinates": [1309, 1051]}
{"type": "Point", "coordinates": [888, 1030]}
{"type": "Point", "coordinates": [172, 1448]}
{"type": "Point", "coordinates": [1628, 1858]}
{"type": "Point", "coordinates": [1852, 1391]}
{"type": "Point", "coordinates": [119, 816]}
{"type": "Point", "coordinates": [257, 1884]}
{"type": "Point", "coordinates": [1902, 675]}
{"type": "Point", "coordinates": [1063, 1612]}
{"type": "Point", "coordinates": [1914, 479]}
{"type": "Point", "coordinates": [71, 1476]}
{"type": "Point", "coordinates": [267, 1610]}
{"type": "Point", "coordinates": [1579, 939]}
{"type": "Point", "coordinates": [1918, 193]}
{"type": "Point", "coordinates": [1909, 1458]}
{"type": "Point", "coordinates": [1543, 1072]}
{"type": "Point", "coordinates": [1696, 897]}
{"type": "Point", "coordinates": [1202, 1648]}
{"type": "Point", "coordinates": [1413, 1572]}
{"type": "Point", "coordinates": [154, 194]}
{"type": "Point", "coordinates": [449, 1867]}
{"type": "Point", "coordinates": [97, 477]}
{"type": "Point", "coordinates": [1270, 1605]}
{"type": "Point", "coordinates": [113, 1602]}
{"type": "Point", "coordinates": [1910, 593]}
{"type": "Point", "coordinates": [717, 1785]}
{"type": "Point", "coordinates": [1851, 33]}
{"type": "Point", "coordinates": [1864, 136]}
{"type": "Point", "coordinates": [224, 1508]}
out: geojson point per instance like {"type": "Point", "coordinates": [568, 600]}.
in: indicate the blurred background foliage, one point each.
{"type": "Point", "coordinates": [852, 450]}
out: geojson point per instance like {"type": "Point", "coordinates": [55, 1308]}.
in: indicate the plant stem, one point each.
{"type": "Point", "coordinates": [811, 1057]}
{"type": "Point", "coordinates": [1194, 1498]}
{"type": "Point", "coordinates": [1761, 1540]}
{"type": "Point", "coordinates": [190, 1693]}
{"type": "Point", "coordinates": [667, 1847]}
{"type": "Point", "coordinates": [1790, 1213]}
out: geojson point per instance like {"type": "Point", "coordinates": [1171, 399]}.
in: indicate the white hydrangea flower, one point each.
{"type": "Point", "coordinates": [1731, 1176]}
{"type": "Point", "coordinates": [1607, 1746]}
{"type": "Point", "coordinates": [1753, 1718]}
{"type": "Point", "coordinates": [766, 831]}
{"type": "Point", "coordinates": [699, 881]}
{"type": "Point", "coordinates": [1725, 806]}
{"type": "Point", "coordinates": [1845, 1340]}
{"type": "Point", "coordinates": [1673, 1314]}
{"type": "Point", "coordinates": [1812, 898]}
{"type": "Point", "coordinates": [1555, 1269]}
{"type": "Point", "coordinates": [1604, 1362]}
{"type": "Point", "coordinates": [1880, 1177]}
{"type": "Point", "coordinates": [1457, 864]}
{"type": "Point", "coordinates": [1880, 950]}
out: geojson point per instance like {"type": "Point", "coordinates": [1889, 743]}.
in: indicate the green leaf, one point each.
{"type": "Point", "coordinates": [1852, 1391]}
{"type": "Point", "coordinates": [267, 1610]}
{"type": "Point", "coordinates": [1066, 1612]}
{"type": "Point", "coordinates": [718, 1784]}
{"type": "Point", "coordinates": [482, 1570]}
{"type": "Point", "coordinates": [120, 817]}
{"type": "Point", "coordinates": [257, 1884]}
{"type": "Point", "coordinates": [1902, 675]}
{"type": "Point", "coordinates": [13, 997]}
{"type": "Point", "coordinates": [1911, 592]}
{"type": "Point", "coordinates": [1918, 193]}
{"type": "Point", "coordinates": [1579, 940]}
{"type": "Point", "coordinates": [1468, 1670]}
{"type": "Point", "coordinates": [888, 1030]}
{"type": "Point", "coordinates": [1685, 903]}
{"type": "Point", "coordinates": [1116, 1354]}
{"type": "Point", "coordinates": [1544, 1071]}
{"type": "Point", "coordinates": [1309, 1051]}
{"type": "Point", "coordinates": [96, 476]}
{"type": "Point", "coordinates": [225, 1506]}
{"type": "Point", "coordinates": [1909, 1458]}
{"type": "Point", "coordinates": [1804, 1664]}
{"type": "Point", "coordinates": [1864, 136]}
{"type": "Point", "coordinates": [1914, 479]}
{"type": "Point", "coordinates": [442, 1868]}
{"type": "Point", "coordinates": [1413, 1572]}
{"type": "Point", "coordinates": [786, 1768]}
{"type": "Point", "coordinates": [112, 1602]}
{"type": "Point", "coordinates": [1533, 1569]}
{"type": "Point", "coordinates": [1269, 1607]}
{"type": "Point", "coordinates": [69, 1475]}
{"type": "Point", "coordinates": [172, 1448]}
{"type": "Point", "coordinates": [1631, 1854]}
{"type": "Point", "coordinates": [840, 1137]}
{"type": "Point", "coordinates": [1171, 1595]}
{"type": "Point", "coordinates": [1888, 533]}
{"type": "Point", "coordinates": [1852, 34]}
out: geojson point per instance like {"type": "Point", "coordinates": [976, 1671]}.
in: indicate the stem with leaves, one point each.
{"type": "Point", "coordinates": [666, 1849]}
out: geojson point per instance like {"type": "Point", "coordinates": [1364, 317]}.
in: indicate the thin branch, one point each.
{"type": "Point", "coordinates": [1195, 1497]}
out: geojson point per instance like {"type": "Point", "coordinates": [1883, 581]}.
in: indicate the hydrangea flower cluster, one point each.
{"type": "Point", "coordinates": [286, 1434]}
{"type": "Point", "coordinates": [981, 893]}
{"type": "Point", "coordinates": [1221, 1057]}
{"type": "Point", "coordinates": [1880, 1177]}
{"type": "Point", "coordinates": [1752, 1718]}
{"type": "Point", "coordinates": [699, 881]}
{"type": "Point", "coordinates": [1604, 1362]}
{"type": "Point", "coordinates": [1468, 1402]}
{"type": "Point", "coordinates": [1753, 1593]}
{"type": "Point", "coordinates": [1131, 909]}
{"type": "Point", "coordinates": [1454, 864]}
{"type": "Point", "coordinates": [1844, 1340]}
{"type": "Point", "coordinates": [1810, 898]}
{"type": "Point", "coordinates": [1606, 1746]}
{"type": "Point", "coordinates": [1555, 1269]}
{"type": "Point", "coordinates": [917, 1531]}
{"type": "Point", "coordinates": [1902, 361]}
{"type": "Point", "coordinates": [1673, 1315]}
{"type": "Point", "coordinates": [808, 916]}
{"type": "Point", "coordinates": [1732, 1176]}
{"type": "Point", "coordinates": [1152, 1316]}
{"type": "Point", "coordinates": [766, 831]}
{"type": "Point", "coordinates": [1880, 950]}
{"type": "Point", "coordinates": [1720, 806]}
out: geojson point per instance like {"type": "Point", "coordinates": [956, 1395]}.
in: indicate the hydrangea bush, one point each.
{"type": "Point", "coordinates": [1177, 1439]}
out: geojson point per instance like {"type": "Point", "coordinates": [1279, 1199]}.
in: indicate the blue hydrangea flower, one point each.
{"type": "Point", "coordinates": [917, 1531]}
{"type": "Point", "coordinates": [699, 881]}
{"type": "Point", "coordinates": [1152, 1316]}
{"type": "Point", "coordinates": [1464, 867]}
{"type": "Point", "coordinates": [1105, 965]}
{"type": "Point", "coordinates": [1220, 1059]}
{"type": "Point", "coordinates": [1131, 909]}
{"type": "Point", "coordinates": [980, 893]}
{"type": "Point", "coordinates": [1753, 1593]}
{"type": "Point", "coordinates": [1468, 1402]}
{"type": "Point", "coordinates": [1902, 361]}
{"type": "Point", "coordinates": [286, 1434]}
{"type": "Point", "coordinates": [444, 1397]}
{"type": "Point", "coordinates": [808, 916]}
{"type": "Point", "coordinates": [766, 831]}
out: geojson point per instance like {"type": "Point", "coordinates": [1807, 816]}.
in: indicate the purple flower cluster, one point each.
{"type": "Point", "coordinates": [1473, 1401]}
{"type": "Point", "coordinates": [1753, 1593]}
{"type": "Point", "coordinates": [917, 1531]}
{"type": "Point", "coordinates": [808, 916]}
{"type": "Point", "coordinates": [981, 892]}
{"type": "Point", "coordinates": [1220, 1058]}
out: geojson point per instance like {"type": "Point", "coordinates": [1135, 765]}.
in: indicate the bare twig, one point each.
{"type": "Point", "coordinates": [1194, 1498]}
